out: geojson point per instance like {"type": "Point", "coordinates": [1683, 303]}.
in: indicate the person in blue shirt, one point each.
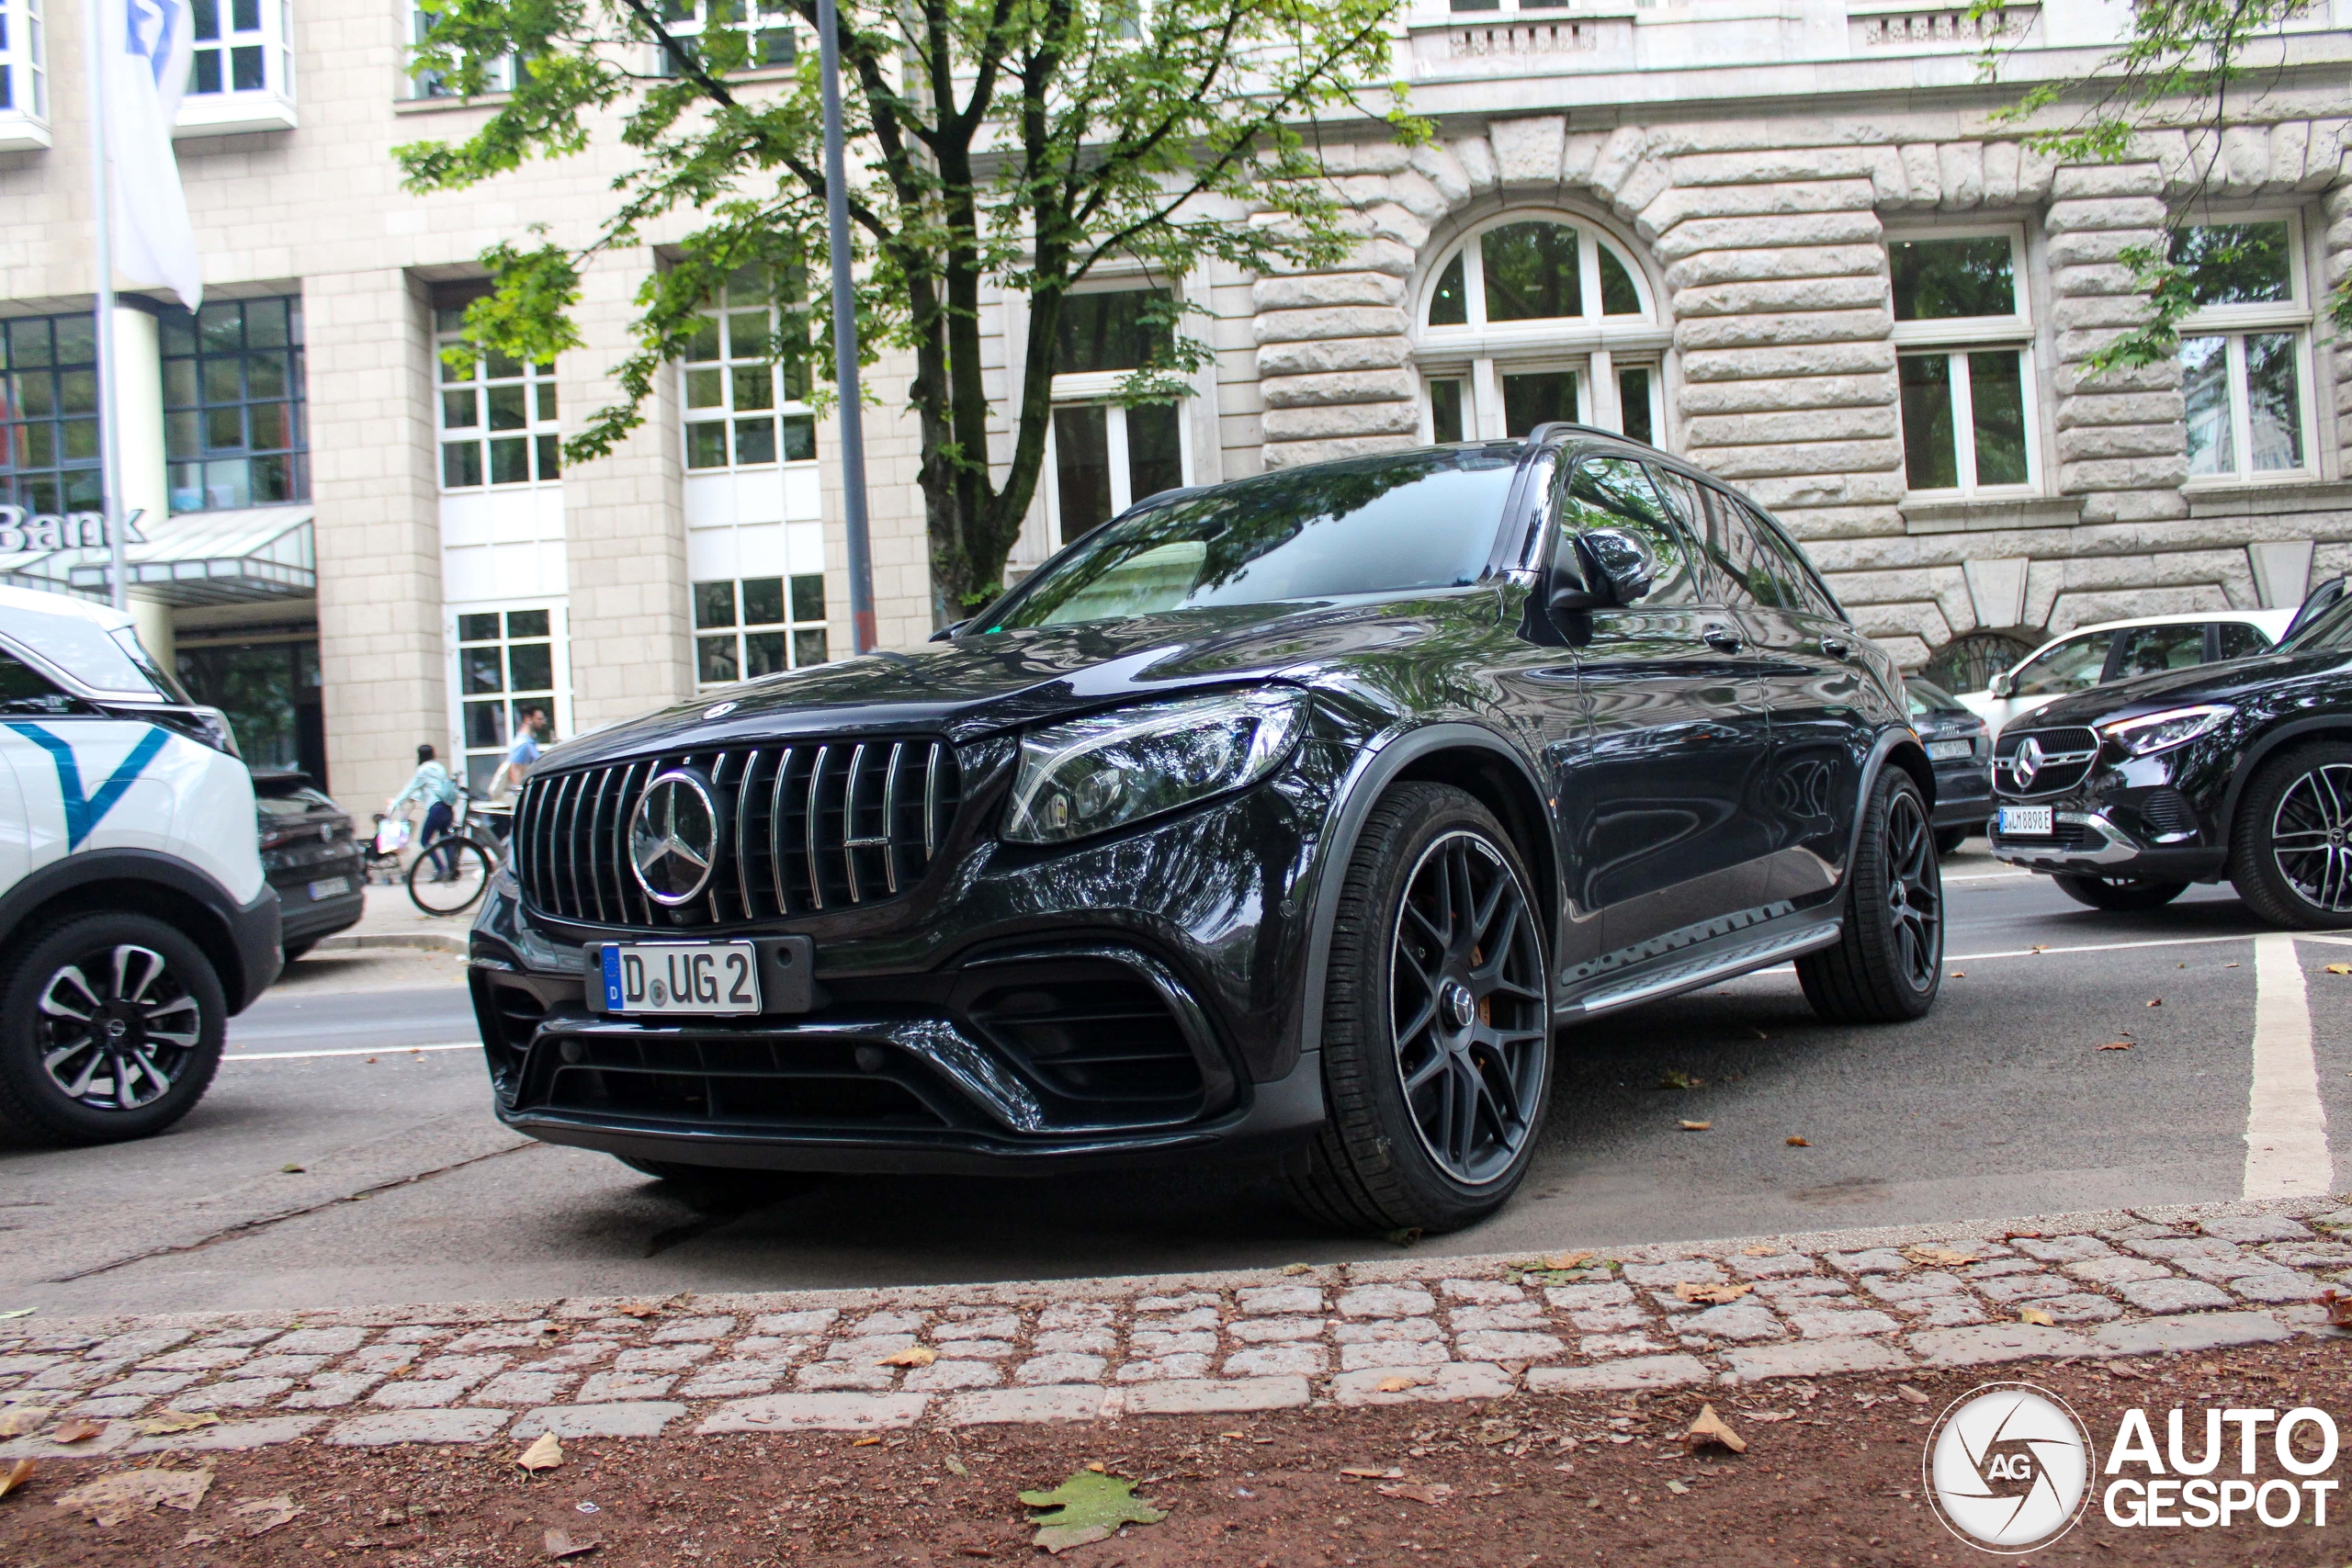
{"type": "Point", "coordinates": [530, 728]}
{"type": "Point", "coordinates": [432, 784]}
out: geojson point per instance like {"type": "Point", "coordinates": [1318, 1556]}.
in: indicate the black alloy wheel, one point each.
{"type": "Point", "coordinates": [2122, 893]}
{"type": "Point", "coordinates": [1437, 1023]}
{"type": "Point", "coordinates": [110, 1028]}
{"type": "Point", "coordinates": [1887, 963]}
{"type": "Point", "coordinates": [2291, 847]}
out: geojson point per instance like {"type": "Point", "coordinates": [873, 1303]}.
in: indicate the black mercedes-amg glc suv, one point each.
{"type": "Point", "coordinates": [1285, 817]}
{"type": "Point", "coordinates": [2239, 772]}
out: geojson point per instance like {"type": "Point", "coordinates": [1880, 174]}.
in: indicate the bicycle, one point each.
{"type": "Point", "coordinates": [449, 877]}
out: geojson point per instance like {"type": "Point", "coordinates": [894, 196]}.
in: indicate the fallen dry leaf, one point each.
{"type": "Point", "coordinates": [2158, 1003]}
{"type": "Point", "coordinates": [1677, 1489]}
{"type": "Point", "coordinates": [1297, 1269]}
{"type": "Point", "coordinates": [80, 1429]}
{"type": "Point", "coordinates": [1960, 974]}
{"type": "Point", "coordinates": [1714, 1295]}
{"type": "Point", "coordinates": [545, 1453]}
{"type": "Point", "coordinates": [1570, 1259]}
{"type": "Point", "coordinates": [2020, 1235]}
{"type": "Point", "coordinates": [912, 1356]}
{"type": "Point", "coordinates": [114, 1498]}
{"type": "Point", "coordinates": [1697, 1126]}
{"type": "Point", "coordinates": [2116, 1046]}
{"type": "Point", "coordinates": [1366, 1473]}
{"type": "Point", "coordinates": [1911, 1395]}
{"type": "Point", "coordinates": [18, 1419]}
{"type": "Point", "coordinates": [1799, 1141]}
{"type": "Point", "coordinates": [866, 1442]}
{"type": "Point", "coordinates": [1710, 1428]}
{"type": "Point", "coordinates": [264, 1515]}
{"type": "Point", "coordinates": [1937, 1257]}
{"type": "Point", "coordinates": [1429, 1491]}
{"type": "Point", "coordinates": [560, 1544]}
{"type": "Point", "coordinates": [1397, 1385]}
{"type": "Point", "coordinates": [170, 1421]}
{"type": "Point", "coordinates": [2339, 1307]}
{"type": "Point", "coordinates": [15, 1475]}
{"type": "Point", "coordinates": [1771, 1415]}
{"type": "Point", "coordinates": [639, 1309]}
{"type": "Point", "coordinates": [1756, 1252]}
{"type": "Point", "coordinates": [2340, 968]}
{"type": "Point", "coordinates": [2035, 1316]}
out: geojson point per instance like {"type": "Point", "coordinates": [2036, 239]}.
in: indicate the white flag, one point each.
{"type": "Point", "coordinates": [146, 65]}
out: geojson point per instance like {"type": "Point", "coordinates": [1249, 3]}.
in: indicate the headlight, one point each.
{"type": "Point", "coordinates": [1098, 774]}
{"type": "Point", "coordinates": [2155, 731]}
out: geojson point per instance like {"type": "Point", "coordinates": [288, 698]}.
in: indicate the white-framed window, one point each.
{"type": "Point", "coordinates": [2246, 349]}
{"type": "Point", "coordinates": [758, 626]}
{"type": "Point", "coordinates": [497, 416]}
{"type": "Point", "coordinates": [1532, 317]}
{"type": "Point", "coordinates": [1963, 338]}
{"type": "Point", "coordinates": [241, 67]}
{"type": "Point", "coordinates": [506, 662]}
{"type": "Point", "coordinates": [744, 380]}
{"type": "Point", "coordinates": [1105, 457]}
{"type": "Point", "coordinates": [771, 42]}
{"type": "Point", "coordinates": [498, 74]}
{"type": "Point", "coordinates": [24, 61]}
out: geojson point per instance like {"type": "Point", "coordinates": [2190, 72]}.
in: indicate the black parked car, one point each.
{"type": "Point", "coordinates": [1960, 746]}
{"type": "Point", "coordinates": [312, 856]}
{"type": "Point", "coordinates": [2129, 792]}
{"type": "Point", "coordinates": [1287, 816]}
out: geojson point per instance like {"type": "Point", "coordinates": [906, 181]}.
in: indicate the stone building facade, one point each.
{"type": "Point", "coordinates": [1729, 207]}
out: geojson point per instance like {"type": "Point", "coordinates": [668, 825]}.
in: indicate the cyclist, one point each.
{"type": "Point", "coordinates": [430, 784]}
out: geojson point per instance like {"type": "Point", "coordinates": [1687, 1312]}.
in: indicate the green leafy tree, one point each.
{"type": "Point", "coordinates": [1018, 144]}
{"type": "Point", "coordinates": [2178, 70]}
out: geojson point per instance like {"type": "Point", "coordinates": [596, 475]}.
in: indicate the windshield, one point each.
{"type": "Point", "coordinates": [2330, 631]}
{"type": "Point", "coordinates": [1927, 697]}
{"type": "Point", "coordinates": [1372, 526]}
{"type": "Point", "coordinates": [106, 661]}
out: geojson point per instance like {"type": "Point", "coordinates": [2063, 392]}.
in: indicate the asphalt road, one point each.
{"type": "Point", "coordinates": [378, 1175]}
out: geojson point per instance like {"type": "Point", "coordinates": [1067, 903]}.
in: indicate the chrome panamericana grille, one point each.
{"type": "Point", "coordinates": [2028, 763]}
{"type": "Point", "coordinates": [806, 829]}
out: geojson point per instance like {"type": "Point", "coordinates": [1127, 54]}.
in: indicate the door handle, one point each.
{"type": "Point", "coordinates": [1836, 647]}
{"type": "Point", "coordinates": [1722, 639]}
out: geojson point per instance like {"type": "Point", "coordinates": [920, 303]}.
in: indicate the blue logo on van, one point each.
{"type": "Point", "coordinates": [84, 813]}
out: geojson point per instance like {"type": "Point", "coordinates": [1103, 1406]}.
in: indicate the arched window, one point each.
{"type": "Point", "coordinates": [1533, 316]}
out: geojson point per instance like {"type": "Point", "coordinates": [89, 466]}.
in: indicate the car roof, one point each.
{"type": "Point", "coordinates": [35, 602]}
{"type": "Point", "coordinates": [2264, 618]}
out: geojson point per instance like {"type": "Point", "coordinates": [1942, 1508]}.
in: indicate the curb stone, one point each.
{"type": "Point", "coordinates": [2139, 1282]}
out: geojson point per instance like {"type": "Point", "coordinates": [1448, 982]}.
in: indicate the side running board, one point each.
{"type": "Point", "coordinates": [1699, 970]}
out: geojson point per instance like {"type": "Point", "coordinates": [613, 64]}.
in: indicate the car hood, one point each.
{"type": "Point", "coordinates": [975, 686]}
{"type": "Point", "coordinates": [2224, 683]}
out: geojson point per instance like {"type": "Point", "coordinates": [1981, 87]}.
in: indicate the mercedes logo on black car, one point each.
{"type": "Point", "coordinates": [674, 836]}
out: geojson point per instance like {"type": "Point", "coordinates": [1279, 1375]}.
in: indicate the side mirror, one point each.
{"type": "Point", "coordinates": [949, 632]}
{"type": "Point", "coordinates": [2005, 684]}
{"type": "Point", "coordinates": [1617, 563]}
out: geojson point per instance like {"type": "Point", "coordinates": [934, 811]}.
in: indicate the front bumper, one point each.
{"type": "Point", "coordinates": [1124, 1001]}
{"type": "Point", "coordinates": [2110, 830]}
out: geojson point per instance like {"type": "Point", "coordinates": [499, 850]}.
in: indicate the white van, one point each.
{"type": "Point", "coordinates": [134, 918]}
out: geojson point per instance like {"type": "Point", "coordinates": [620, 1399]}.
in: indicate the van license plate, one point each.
{"type": "Point", "coordinates": [703, 977]}
{"type": "Point", "coordinates": [2028, 821]}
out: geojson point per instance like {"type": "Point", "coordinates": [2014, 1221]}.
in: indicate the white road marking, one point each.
{"type": "Point", "coordinates": [2286, 1126]}
{"type": "Point", "coordinates": [2093, 947]}
{"type": "Point", "coordinates": [370, 1051]}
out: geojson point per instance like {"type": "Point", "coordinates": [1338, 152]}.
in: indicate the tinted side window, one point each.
{"type": "Point", "coordinates": [2147, 651]}
{"type": "Point", "coordinates": [1683, 504]}
{"type": "Point", "coordinates": [1743, 557]}
{"type": "Point", "coordinates": [2074, 665]}
{"type": "Point", "coordinates": [2241, 641]}
{"type": "Point", "coordinates": [1615, 492]}
{"type": "Point", "coordinates": [24, 690]}
{"type": "Point", "coordinates": [1811, 593]}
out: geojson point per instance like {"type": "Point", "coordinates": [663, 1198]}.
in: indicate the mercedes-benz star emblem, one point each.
{"type": "Point", "coordinates": [674, 836]}
{"type": "Point", "coordinates": [2027, 762]}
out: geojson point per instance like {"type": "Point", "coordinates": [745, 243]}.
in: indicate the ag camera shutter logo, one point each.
{"type": "Point", "coordinates": [2007, 1467]}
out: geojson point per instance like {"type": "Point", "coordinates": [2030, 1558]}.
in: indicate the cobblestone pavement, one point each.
{"type": "Point", "coordinates": [2116, 1283]}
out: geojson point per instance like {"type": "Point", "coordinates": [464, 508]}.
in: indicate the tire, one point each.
{"type": "Point", "coordinates": [1396, 1156]}
{"type": "Point", "coordinates": [2120, 892]}
{"type": "Point", "coordinates": [435, 895]}
{"type": "Point", "coordinates": [1949, 840]}
{"type": "Point", "coordinates": [780, 1183]}
{"type": "Point", "coordinates": [2290, 843]}
{"type": "Point", "coordinates": [129, 969]}
{"type": "Point", "coordinates": [1887, 963]}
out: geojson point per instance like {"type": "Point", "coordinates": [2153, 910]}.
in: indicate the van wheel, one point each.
{"type": "Point", "coordinates": [1887, 964]}
{"type": "Point", "coordinates": [1437, 1024]}
{"type": "Point", "coordinates": [110, 1028]}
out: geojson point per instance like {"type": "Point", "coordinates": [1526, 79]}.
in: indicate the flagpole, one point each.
{"type": "Point", "coordinates": [109, 428]}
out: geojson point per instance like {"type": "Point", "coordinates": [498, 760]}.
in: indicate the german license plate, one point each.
{"type": "Point", "coordinates": [1949, 751]}
{"type": "Point", "coordinates": [703, 977]}
{"type": "Point", "coordinates": [2029, 821]}
{"type": "Point", "coordinates": [330, 887]}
